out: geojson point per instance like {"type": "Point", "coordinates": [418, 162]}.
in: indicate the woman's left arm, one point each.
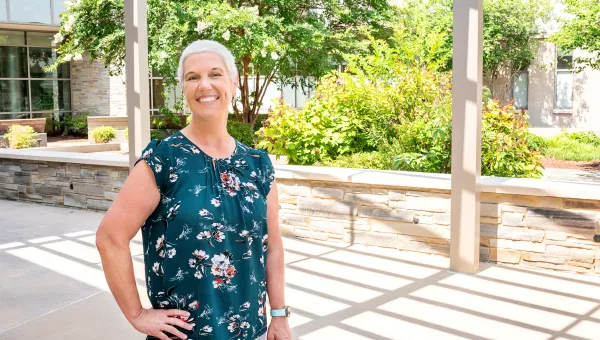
{"type": "Point", "coordinates": [279, 328]}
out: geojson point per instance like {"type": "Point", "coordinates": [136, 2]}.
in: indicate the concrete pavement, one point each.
{"type": "Point", "coordinates": [52, 287]}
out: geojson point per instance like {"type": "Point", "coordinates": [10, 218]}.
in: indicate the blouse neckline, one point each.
{"type": "Point", "coordinates": [235, 150]}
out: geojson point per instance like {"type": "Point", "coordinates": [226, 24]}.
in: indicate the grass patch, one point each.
{"type": "Point", "coordinates": [579, 146]}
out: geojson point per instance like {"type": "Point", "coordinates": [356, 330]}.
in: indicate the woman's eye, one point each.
{"type": "Point", "coordinates": [215, 74]}
{"type": "Point", "coordinates": [192, 78]}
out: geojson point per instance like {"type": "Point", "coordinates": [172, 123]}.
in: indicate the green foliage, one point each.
{"type": "Point", "coordinates": [356, 111]}
{"type": "Point", "coordinates": [104, 134]}
{"type": "Point", "coordinates": [579, 146]}
{"type": "Point", "coordinates": [505, 147]}
{"type": "Point", "coordinates": [510, 33]}
{"type": "Point", "coordinates": [361, 160]}
{"type": "Point", "coordinates": [126, 133]}
{"type": "Point", "coordinates": [579, 29]}
{"type": "Point", "coordinates": [155, 135]}
{"type": "Point", "coordinates": [21, 136]}
{"type": "Point", "coordinates": [242, 132]}
{"type": "Point", "coordinates": [72, 125]}
{"type": "Point", "coordinates": [275, 40]}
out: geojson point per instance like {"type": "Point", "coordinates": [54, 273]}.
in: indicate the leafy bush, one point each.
{"type": "Point", "coordinates": [508, 149]}
{"type": "Point", "coordinates": [577, 146]}
{"type": "Point", "coordinates": [75, 125]}
{"type": "Point", "coordinates": [155, 135]}
{"type": "Point", "coordinates": [21, 136]}
{"type": "Point", "coordinates": [242, 132]}
{"type": "Point", "coordinates": [356, 110]}
{"type": "Point", "coordinates": [104, 134]}
{"type": "Point", "coordinates": [361, 160]}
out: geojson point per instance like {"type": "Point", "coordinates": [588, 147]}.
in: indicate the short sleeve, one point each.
{"type": "Point", "coordinates": [156, 154]}
{"type": "Point", "coordinates": [267, 172]}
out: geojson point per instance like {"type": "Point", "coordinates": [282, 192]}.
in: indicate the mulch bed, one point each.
{"type": "Point", "coordinates": [66, 139]}
{"type": "Point", "coordinates": [558, 164]}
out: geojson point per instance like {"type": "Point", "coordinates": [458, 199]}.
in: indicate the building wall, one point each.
{"type": "Point", "coordinates": [94, 91]}
{"type": "Point", "coordinates": [542, 95]}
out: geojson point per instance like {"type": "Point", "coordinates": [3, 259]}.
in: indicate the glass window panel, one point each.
{"type": "Point", "coordinates": [564, 90]}
{"type": "Point", "coordinates": [41, 39]}
{"type": "Point", "coordinates": [59, 6]}
{"type": "Point", "coordinates": [14, 96]}
{"type": "Point", "coordinates": [14, 115]}
{"type": "Point", "coordinates": [12, 37]}
{"type": "Point", "coordinates": [3, 14]}
{"type": "Point", "coordinates": [13, 62]}
{"type": "Point", "coordinates": [158, 87]}
{"type": "Point", "coordinates": [520, 90]}
{"type": "Point", "coordinates": [49, 95]}
{"type": "Point", "coordinates": [564, 61]}
{"type": "Point", "coordinates": [37, 11]}
{"type": "Point", "coordinates": [40, 57]}
{"type": "Point", "coordinates": [42, 115]}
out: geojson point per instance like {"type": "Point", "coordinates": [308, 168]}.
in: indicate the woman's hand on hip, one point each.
{"type": "Point", "coordinates": [279, 329]}
{"type": "Point", "coordinates": [158, 322]}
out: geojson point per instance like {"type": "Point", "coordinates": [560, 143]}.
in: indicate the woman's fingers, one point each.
{"type": "Point", "coordinates": [177, 312]}
{"type": "Point", "coordinates": [172, 330]}
{"type": "Point", "coordinates": [161, 336]}
{"type": "Point", "coordinates": [179, 323]}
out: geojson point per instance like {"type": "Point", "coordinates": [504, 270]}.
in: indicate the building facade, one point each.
{"type": "Point", "coordinates": [553, 94]}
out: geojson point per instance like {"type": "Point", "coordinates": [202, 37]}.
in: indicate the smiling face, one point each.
{"type": "Point", "coordinates": [207, 87]}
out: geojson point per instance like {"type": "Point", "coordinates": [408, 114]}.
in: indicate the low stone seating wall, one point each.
{"type": "Point", "coordinates": [524, 222]}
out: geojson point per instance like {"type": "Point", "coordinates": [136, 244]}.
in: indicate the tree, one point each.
{"type": "Point", "coordinates": [510, 34]}
{"type": "Point", "coordinates": [272, 40]}
{"type": "Point", "coordinates": [580, 28]}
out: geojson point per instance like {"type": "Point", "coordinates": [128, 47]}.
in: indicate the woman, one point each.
{"type": "Point", "coordinates": [208, 209]}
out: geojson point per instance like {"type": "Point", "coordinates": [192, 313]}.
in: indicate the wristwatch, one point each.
{"type": "Point", "coordinates": [281, 312]}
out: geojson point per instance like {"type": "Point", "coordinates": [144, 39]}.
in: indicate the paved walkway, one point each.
{"type": "Point", "coordinates": [52, 287]}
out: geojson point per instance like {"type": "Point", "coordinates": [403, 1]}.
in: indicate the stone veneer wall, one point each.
{"type": "Point", "coordinates": [61, 184]}
{"type": "Point", "coordinates": [548, 232]}
{"type": "Point", "coordinates": [539, 231]}
{"type": "Point", "coordinates": [94, 91]}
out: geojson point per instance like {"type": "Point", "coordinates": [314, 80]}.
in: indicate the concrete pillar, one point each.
{"type": "Point", "coordinates": [136, 70]}
{"type": "Point", "coordinates": [467, 67]}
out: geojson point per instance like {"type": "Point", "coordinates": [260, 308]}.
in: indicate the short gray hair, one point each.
{"type": "Point", "coordinates": [201, 46]}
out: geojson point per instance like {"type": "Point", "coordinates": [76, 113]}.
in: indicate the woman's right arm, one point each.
{"type": "Point", "coordinates": [136, 201]}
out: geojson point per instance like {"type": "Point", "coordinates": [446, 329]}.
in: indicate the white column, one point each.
{"type": "Point", "coordinates": [136, 70]}
{"type": "Point", "coordinates": [467, 67]}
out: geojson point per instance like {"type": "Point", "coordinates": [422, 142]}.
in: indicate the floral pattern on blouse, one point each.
{"type": "Point", "coordinates": [205, 245]}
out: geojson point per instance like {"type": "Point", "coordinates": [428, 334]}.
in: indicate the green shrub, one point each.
{"type": "Point", "coordinates": [155, 135]}
{"type": "Point", "coordinates": [75, 125]}
{"type": "Point", "coordinates": [104, 134]}
{"type": "Point", "coordinates": [242, 132]}
{"type": "Point", "coordinates": [21, 136]}
{"type": "Point", "coordinates": [361, 160]}
{"type": "Point", "coordinates": [403, 110]}
{"type": "Point", "coordinates": [357, 110]}
{"type": "Point", "coordinates": [508, 149]}
{"type": "Point", "coordinates": [126, 133]}
{"type": "Point", "coordinates": [577, 146]}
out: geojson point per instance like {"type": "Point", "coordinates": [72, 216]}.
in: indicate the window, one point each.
{"type": "Point", "coordinates": [32, 11]}
{"type": "Point", "coordinates": [3, 11]}
{"type": "Point", "coordinates": [27, 90]}
{"type": "Point", "coordinates": [564, 82]}
{"type": "Point", "coordinates": [520, 89]}
{"type": "Point", "coordinates": [160, 96]}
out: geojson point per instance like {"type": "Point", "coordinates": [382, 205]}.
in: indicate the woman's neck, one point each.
{"type": "Point", "coordinates": [209, 135]}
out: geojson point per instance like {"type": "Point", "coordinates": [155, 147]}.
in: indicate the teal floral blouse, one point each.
{"type": "Point", "coordinates": [205, 245]}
